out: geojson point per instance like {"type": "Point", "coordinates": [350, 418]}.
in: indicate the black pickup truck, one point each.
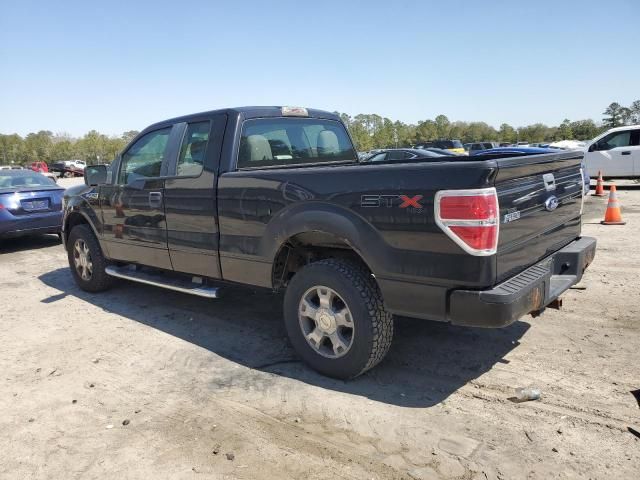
{"type": "Point", "coordinates": [275, 197]}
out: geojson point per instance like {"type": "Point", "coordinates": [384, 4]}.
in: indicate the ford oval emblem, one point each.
{"type": "Point", "coordinates": [551, 203]}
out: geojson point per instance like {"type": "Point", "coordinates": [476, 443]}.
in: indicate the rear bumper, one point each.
{"type": "Point", "coordinates": [529, 291]}
{"type": "Point", "coordinates": [13, 226]}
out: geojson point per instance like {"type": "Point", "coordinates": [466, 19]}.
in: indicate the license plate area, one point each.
{"type": "Point", "coordinates": [36, 205]}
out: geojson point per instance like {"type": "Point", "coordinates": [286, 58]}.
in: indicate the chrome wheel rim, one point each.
{"type": "Point", "coordinates": [326, 322]}
{"type": "Point", "coordinates": [82, 260]}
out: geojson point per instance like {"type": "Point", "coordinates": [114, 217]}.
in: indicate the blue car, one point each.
{"type": "Point", "coordinates": [30, 204]}
{"type": "Point", "coordinates": [505, 151]}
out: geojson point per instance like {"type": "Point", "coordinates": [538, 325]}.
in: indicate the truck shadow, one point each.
{"type": "Point", "coordinates": [428, 361]}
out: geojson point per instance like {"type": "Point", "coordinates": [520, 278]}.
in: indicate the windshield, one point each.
{"type": "Point", "coordinates": [291, 141]}
{"type": "Point", "coordinates": [21, 180]}
{"type": "Point", "coordinates": [449, 144]}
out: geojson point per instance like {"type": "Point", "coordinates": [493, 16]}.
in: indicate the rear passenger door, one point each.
{"type": "Point", "coordinates": [190, 197]}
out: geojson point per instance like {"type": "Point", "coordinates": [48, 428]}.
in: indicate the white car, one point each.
{"type": "Point", "coordinates": [79, 164]}
{"type": "Point", "coordinates": [616, 153]}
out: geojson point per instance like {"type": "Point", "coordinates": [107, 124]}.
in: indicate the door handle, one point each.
{"type": "Point", "coordinates": [625, 153]}
{"type": "Point", "coordinates": [155, 199]}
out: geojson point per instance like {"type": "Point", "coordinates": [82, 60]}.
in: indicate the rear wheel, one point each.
{"type": "Point", "coordinates": [335, 318]}
{"type": "Point", "coordinates": [86, 260]}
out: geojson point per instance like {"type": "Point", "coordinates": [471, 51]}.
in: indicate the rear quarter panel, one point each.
{"type": "Point", "coordinates": [260, 209]}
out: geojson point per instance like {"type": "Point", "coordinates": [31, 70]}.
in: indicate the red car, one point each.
{"type": "Point", "coordinates": [40, 167]}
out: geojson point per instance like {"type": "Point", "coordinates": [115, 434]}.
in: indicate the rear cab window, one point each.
{"type": "Point", "coordinates": [272, 142]}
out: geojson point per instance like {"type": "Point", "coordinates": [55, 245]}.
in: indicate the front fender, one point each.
{"type": "Point", "coordinates": [83, 202]}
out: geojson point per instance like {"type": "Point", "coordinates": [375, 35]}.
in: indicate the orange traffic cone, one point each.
{"type": "Point", "coordinates": [599, 186]}
{"type": "Point", "coordinates": [613, 216]}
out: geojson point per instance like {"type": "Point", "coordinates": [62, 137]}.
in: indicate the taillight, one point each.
{"type": "Point", "coordinates": [471, 218]}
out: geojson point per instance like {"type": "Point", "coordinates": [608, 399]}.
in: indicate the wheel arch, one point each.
{"type": "Point", "coordinates": [315, 231]}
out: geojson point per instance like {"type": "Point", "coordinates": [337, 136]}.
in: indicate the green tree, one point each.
{"type": "Point", "coordinates": [37, 146]}
{"type": "Point", "coordinates": [613, 115]}
{"type": "Point", "coordinates": [442, 126]}
{"type": "Point", "coordinates": [625, 115]}
{"type": "Point", "coordinates": [584, 129]}
{"type": "Point", "coordinates": [425, 131]}
{"type": "Point", "coordinates": [507, 133]}
{"type": "Point", "coordinates": [635, 112]}
{"type": "Point", "coordinates": [129, 135]}
{"type": "Point", "coordinates": [564, 131]}
{"type": "Point", "coordinates": [10, 148]}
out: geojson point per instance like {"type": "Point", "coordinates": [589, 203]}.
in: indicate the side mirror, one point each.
{"type": "Point", "coordinates": [95, 175]}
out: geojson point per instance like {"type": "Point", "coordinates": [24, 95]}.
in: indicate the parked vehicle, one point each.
{"type": "Point", "coordinates": [11, 167]}
{"type": "Point", "coordinates": [30, 204]}
{"type": "Point", "coordinates": [454, 146]}
{"type": "Point", "coordinates": [276, 198]}
{"type": "Point", "coordinates": [69, 168]}
{"type": "Point", "coordinates": [40, 167]}
{"type": "Point", "coordinates": [616, 153]}
{"type": "Point", "coordinates": [441, 151]}
{"type": "Point", "coordinates": [395, 154]}
{"type": "Point", "coordinates": [478, 147]}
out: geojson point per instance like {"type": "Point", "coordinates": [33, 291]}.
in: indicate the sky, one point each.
{"type": "Point", "coordinates": [113, 66]}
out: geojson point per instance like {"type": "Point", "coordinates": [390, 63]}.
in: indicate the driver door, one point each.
{"type": "Point", "coordinates": [613, 154]}
{"type": "Point", "coordinates": [133, 207]}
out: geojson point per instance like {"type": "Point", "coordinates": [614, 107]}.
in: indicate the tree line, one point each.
{"type": "Point", "coordinates": [93, 147]}
{"type": "Point", "coordinates": [368, 131]}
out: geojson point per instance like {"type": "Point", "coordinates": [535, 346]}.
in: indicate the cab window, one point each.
{"type": "Point", "coordinates": [192, 151]}
{"type": "Point", "coordinates": [144, 158]}
{"type": "Point", "coordinates": [293, 141]}
{"type": "Point", "coordinates": [618, 139]}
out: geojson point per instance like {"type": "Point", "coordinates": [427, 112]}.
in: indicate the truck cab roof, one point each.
{"type": "Point", "coordinates": [247, 112]}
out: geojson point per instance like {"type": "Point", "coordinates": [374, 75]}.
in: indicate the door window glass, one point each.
{"type": "Point", "coordinates": [144, 158]}
{"type": "Point", "coordinates": [194, 146]}
{"type": "Point", "coordinates": [395, 155]}
{"type": "Point", "coordinates": [618, 139]}
{"type": "Point", "coordinates": [380, 157]}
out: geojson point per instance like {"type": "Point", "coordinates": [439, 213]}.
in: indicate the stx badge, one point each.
{"type": "Point", "coordinates": [401, 201]}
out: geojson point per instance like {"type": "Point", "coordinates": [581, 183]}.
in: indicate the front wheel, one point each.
{"type": "Point", "coordinates": [335, 318]}
{"type": "Point", "coordinates": [86, 260]}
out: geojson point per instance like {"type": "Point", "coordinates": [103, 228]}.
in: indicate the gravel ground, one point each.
{"type": "Point", "coordinates": [140, 382]}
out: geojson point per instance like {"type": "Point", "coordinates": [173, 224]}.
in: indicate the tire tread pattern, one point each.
{"type": "Point", "coordinates": [100, 281]}
{"type": "Point", "coordinates": [381, 320]}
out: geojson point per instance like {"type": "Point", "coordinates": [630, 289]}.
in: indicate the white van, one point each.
{"type": "Point", "coordinates": [616, 153]}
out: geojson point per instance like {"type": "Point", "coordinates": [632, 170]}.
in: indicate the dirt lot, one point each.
{"type": "Point", "coordinates": [144, 383]}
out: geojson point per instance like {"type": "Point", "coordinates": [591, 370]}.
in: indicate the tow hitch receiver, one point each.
{"type": "Point", "coordinates": [555, 304]}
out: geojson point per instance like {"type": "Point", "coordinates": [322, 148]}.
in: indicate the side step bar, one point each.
{"type": "Point", "coordinates": [162, 280]}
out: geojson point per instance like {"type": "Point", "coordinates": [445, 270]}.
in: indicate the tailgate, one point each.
{"type": "Point", "coordinates": [540, 199]}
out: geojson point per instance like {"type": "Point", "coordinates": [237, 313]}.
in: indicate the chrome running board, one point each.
{"type": "Point", "coordinates": [162, 280]}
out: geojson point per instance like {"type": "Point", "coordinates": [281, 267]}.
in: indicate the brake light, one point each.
{"type": "Point", "coordinates": [471, 218]}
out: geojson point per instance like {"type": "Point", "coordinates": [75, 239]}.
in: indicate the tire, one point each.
{"type": "Point", "coordinates": [97, 279]}
{"type": "Point", "coordinates": [361, 342]}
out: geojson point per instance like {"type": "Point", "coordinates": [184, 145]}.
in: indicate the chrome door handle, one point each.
{"type": "Point", "coordinates": [155, 199]}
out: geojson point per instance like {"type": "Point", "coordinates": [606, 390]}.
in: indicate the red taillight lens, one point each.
{"type": "Point", "coordinates": [461, 207]}
{"type": "Point", "coordinates": [470, 218]}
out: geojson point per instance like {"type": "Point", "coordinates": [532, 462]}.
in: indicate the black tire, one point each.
{"type": "Point", "coordinates": [99, 280]}
{"type": "Point", "coordinates": [372, 324]}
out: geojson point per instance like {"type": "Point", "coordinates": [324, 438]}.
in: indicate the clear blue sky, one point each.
{"type": "Point", "coordinates": [72, 66]}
